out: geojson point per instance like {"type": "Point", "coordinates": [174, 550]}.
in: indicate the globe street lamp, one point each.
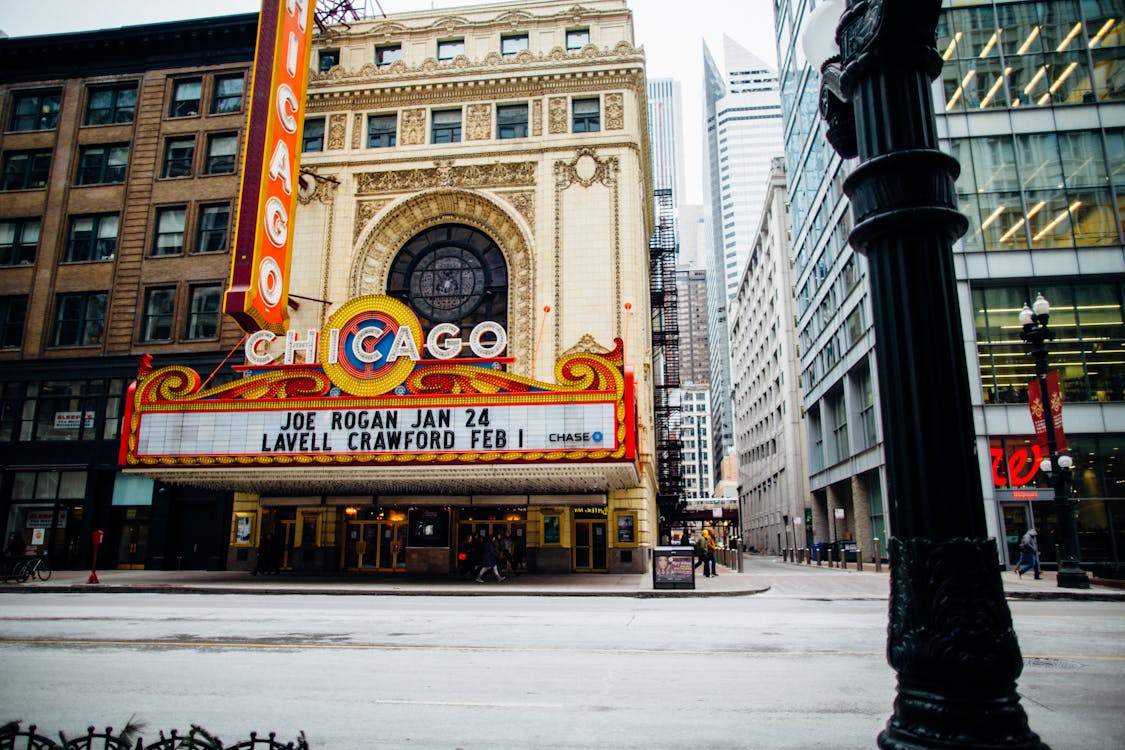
{"type": "Point", "coordinates": [1037, 333]}
{"type": "Point", "coordinates": [950, 637]}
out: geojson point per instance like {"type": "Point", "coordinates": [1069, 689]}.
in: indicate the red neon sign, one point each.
{"type": "Point", "coordinates": [1018, 468]}
{"type": "Point", "coordinates": [259, 283]}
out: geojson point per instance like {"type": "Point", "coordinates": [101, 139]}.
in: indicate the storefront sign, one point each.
{"type": "Point", "coordinates": [43, 518]}
{"type": "Point", "coordinates": [72, 420]}
{"type": "Point", "coordinates": [259, 284]}
{"type": "Point", "coordinates": [264, 432]}
{"type": "Point", "coordinates": [359, 391]}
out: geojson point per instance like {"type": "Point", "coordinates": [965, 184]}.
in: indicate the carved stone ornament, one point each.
{"type": "Point", "coordinates": [365, 211]}
{"type": "Point", "coordinates": [479, 122]}
{"type": "Point", "coordinates": [413, 127]}
{"type": "Point", "coordinates": [524, 202]}
{"type": "Point", "coordinates": [556, 115]}
{"type": "Point", "coordinates": [537, 117]}
{"type": "Point", "coordinates": [586, 169]}
{"type": "Point", "coordinates": [337, 127]}
{"type": "Point", "coordinates": [357, 131]}
{"type": "Point", "coordinates": [587, 345]}
{"type": "Point", "coordinates": [445, 174]}
{"type": "Point", "coordinates": [615, 111]}
{"type": "Point", "coordinates": [311, 186]}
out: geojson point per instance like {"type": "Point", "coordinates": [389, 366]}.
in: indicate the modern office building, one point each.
{"type": "Point", "coordinates": [742, 133]}
{"type": "Point", "coordinates": [694, 429]}
{"type": "Point", "coordinates": [665, 123]}
{"type": "Point", "coordinates": [1032, 103]}
{"type": "Point", "coordinates": [119, 152]}
{"type": "Point", "coordinates": [468, 352]}
{"type": "Point", "coordinates": [773, 480]}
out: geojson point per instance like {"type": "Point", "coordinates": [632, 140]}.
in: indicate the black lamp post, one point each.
{"type": "Point", "coordinates": [950, 636]}
{"type": "Point", "coordinates": [1037, 333]}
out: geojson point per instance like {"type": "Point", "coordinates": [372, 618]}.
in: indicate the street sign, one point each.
{"type": "Point", "coordinates": [839, 514]}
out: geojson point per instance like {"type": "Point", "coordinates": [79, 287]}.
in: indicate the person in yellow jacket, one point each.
{"type": "Point", "coordinates": [709, 557]}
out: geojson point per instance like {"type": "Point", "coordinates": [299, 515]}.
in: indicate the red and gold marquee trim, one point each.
{"type": "Point", "coordinates": [581, 378]}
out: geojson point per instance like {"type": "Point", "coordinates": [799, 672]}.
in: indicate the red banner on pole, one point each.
{"type": "Point", "coordinates": [1054, 398]}
{"type": "Point", "coordinates": [1039, 411]}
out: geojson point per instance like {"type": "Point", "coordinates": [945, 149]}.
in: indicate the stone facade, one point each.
{"type": "Point", "coordinates": [565, 201]}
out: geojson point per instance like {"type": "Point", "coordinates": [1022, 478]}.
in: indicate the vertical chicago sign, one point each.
{"type": "Point", "coordinates": [259, 281]}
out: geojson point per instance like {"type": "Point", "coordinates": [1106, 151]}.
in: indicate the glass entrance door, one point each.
{"type": "Point", "coordinates": [288, 529]}
{"type": "Point", "coordinates": [376, 546]}
{"type": "Point", "coordinates": [590, 546]}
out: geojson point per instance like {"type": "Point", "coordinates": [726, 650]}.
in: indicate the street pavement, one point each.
{"type": "Point", "coordinates": [760, 575]}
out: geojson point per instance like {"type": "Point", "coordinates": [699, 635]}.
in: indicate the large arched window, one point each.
{"type": "Point", "coordinates": [451, 273]}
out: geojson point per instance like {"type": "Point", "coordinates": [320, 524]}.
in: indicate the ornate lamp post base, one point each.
{"type": "Point", "coordinates": [952, 643]}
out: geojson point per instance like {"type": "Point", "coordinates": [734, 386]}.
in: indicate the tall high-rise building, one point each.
{"type": "Point", "coordinates": [1030, 102]}
{"type": "Point", "coordinates": [773, 481]}
{"type": "Point", "coordinates": [743, 133]}
{"type": "Point", "coordinates": [665, 123]}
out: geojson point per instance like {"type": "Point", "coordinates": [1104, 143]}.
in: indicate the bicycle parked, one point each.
{"type": "Point", "coordinates": [36, 567]}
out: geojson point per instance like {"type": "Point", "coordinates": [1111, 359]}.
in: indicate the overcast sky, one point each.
{"type": "Point", "coordinates": [671, 31]}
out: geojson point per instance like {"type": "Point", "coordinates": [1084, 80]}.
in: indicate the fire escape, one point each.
{"type": "Point", "coordinates": [663, 251]}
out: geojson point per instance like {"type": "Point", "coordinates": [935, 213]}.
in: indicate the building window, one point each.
{"type": "Point", "coordinates": [327, 59]}
{"type": "Point", "coordinates": [107, 106]}
{"type": "Point", "coordinates": [312, 137]}
{"type": "Point", "coordinates": [1090, 318]}
{"type": "Point", "coordinates": [13, 312]}
{"type": "Point", "coordinates": [26, 170]}
{"type": "Point", "coordinates": [36, 110]}
{"type": "Point", "coordinates": [19, 239]}
{"type": "Point", "coordinates": [388, 54]}
{"type": "Point", "coordinates": [170, 230]}
{"type": "Point", "coordinates": [91, 238]}
{"type": "Point", "coordinates": [449, 49]}
{"type": "Point", "coordinates": [99, 165]}
{"type": "Point", "coordinates": [587, 115]}
{"type": "Point", "coordinates": [203, 315]}
{"type": "Point", "coordinates": [511, 121]}
{"type": "Point", "coordinates": [382, 130]}
{"type": "Point", "coordinates": [214, 222]}
{"type": "Point", "coordinates": [451, 273]}
{"type": "Point", "coordinates": [178, 155]}
{"type": "Point", "coordinates": [446, 126]}
{"type": "Point", "coordinates": [221, 150]}
{"type": "Point", "coordinates": [512, 44]}
{"type": "Point", "coordinates": [185, 97]}
{"type": "Point", "coordinates": [160, 307]}
{"type": "Point", "coordinates": [228, 94]}
{"type": "Point", "coordinates": [79, 319]}
{"type": "Point", "coordinates": [840, 427]}
{"type": "Point", "coordinates": [576, 39]}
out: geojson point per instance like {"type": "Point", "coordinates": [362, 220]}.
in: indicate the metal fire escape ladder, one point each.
{"type": "Point", "coordinates": [663, 255]}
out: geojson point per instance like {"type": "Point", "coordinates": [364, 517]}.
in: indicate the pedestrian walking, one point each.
{"type": "Point", "coordinates": [1029, 554]}
{"type": "Point", "coordinates": [490, 560]}
{"type": "Point", "coordinates": [508, 552]}
{"type": "Point", "coordinates": [710, 556]}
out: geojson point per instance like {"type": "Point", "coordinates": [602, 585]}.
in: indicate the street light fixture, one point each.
{"type": "Point", "coordinates": [1036, 333]}
{"type": "Point", "coordinates": [950, 636]}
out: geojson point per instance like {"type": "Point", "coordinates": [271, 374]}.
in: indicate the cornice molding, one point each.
{"type": "Point", "coordinates": [522, 64]}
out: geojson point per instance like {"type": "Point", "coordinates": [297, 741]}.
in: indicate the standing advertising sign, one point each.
{"type": "Point", "coordinates": [673, 568]}
{"type": "Point", "coordinates": [259, 282]}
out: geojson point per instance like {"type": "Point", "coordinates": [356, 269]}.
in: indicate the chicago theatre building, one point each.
{"type": "Point", "coordinates": [466, 345]}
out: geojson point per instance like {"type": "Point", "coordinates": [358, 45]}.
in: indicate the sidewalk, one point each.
{"type": "Point", "coordinates": [760, 574]}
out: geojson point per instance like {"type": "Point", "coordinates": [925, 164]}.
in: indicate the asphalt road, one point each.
{"type": "Point", "coordinates": [792, 668]}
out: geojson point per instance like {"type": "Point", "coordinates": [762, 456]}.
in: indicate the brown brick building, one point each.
{"type": "Point", "coordinates": [119, 151]}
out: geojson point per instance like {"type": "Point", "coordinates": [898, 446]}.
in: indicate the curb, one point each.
{"type": "Point", "coordinates": [305, 591]}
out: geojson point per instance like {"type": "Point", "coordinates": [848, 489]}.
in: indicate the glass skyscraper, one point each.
{"type": "Point", "coordinates": [1031, 101]}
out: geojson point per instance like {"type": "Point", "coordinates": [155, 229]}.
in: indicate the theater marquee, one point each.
{"type": "Point", "coordinates": [370, 389]}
